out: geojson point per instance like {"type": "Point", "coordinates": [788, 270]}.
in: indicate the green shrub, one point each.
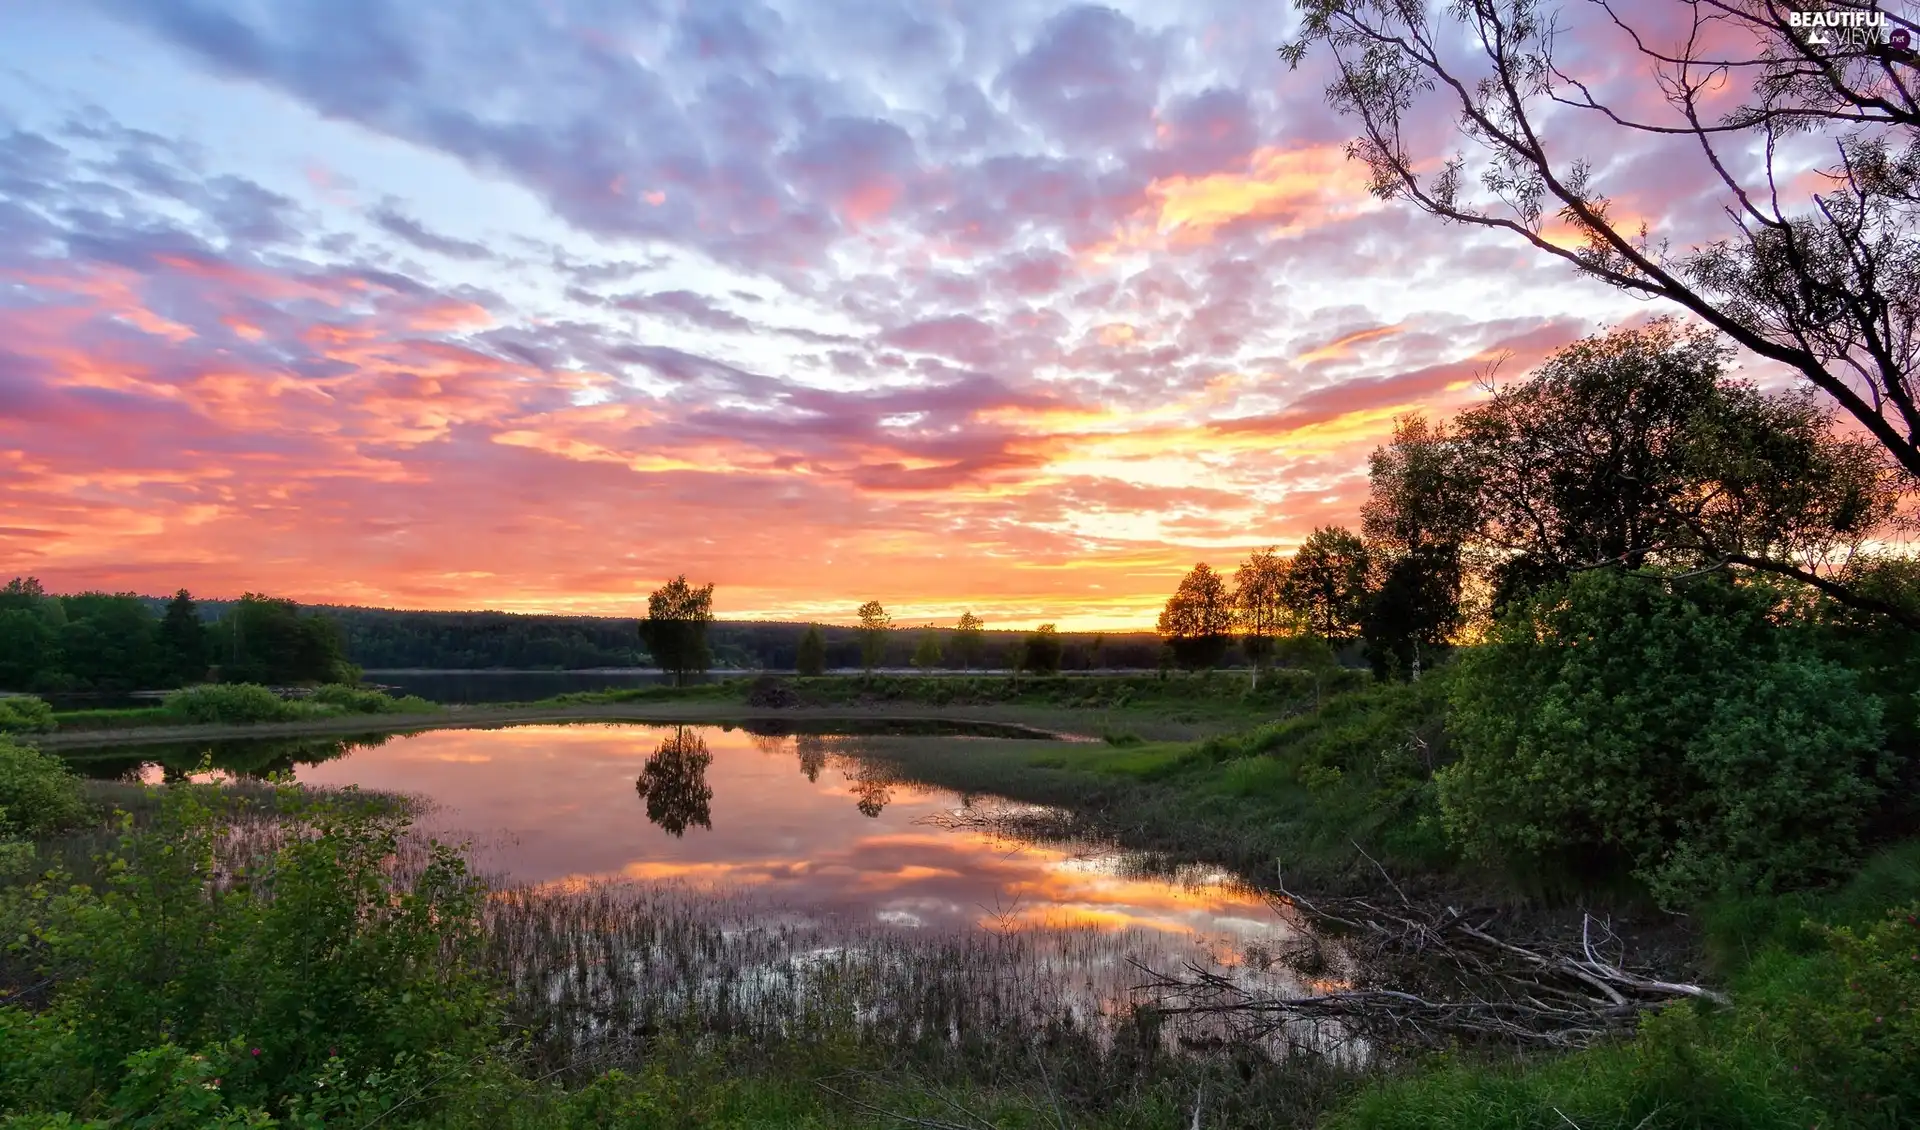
{"type": "Point", "coordinates": [359, 700]}
{"type": "Point", "coordinates": [38, 794]}
{"type": "Point", "coordinates": [25, 714]}
{"type": "Point", "coordinates": [311, 980]}
{"type": "Point", "coordinates": [231, 702]}
{"type": "Point", "coordinates": [1677, 732]}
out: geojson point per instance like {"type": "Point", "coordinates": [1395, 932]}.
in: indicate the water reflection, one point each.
{"type": "Point", "coordinates": [674, 783]}
{"type": "Point", "coordinates": [840, 862]}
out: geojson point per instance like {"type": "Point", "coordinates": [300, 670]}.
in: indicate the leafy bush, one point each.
{"type": "Point", "coordinates": [1679, 733]}
{"type": "Point", "coordinates": [310, 979]}
{"type": "Point", "coordinates": [38, 794]}
{"type": "Point", "coordinates": [24, 714]}
{"type": "Point", "coordinates": [231, 702]}
{"type": "Point", "coordinates": [358, 700]}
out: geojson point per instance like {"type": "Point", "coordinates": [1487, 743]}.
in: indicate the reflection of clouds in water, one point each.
{"type": "Point", "coordinates": [570, 800]}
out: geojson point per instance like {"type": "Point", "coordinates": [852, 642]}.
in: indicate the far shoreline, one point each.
{"type": "Point", "coordinates": [1061, 724]}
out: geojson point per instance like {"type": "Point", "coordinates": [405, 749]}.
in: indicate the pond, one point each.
{"type": "Point", "coordinates": [656, 868]}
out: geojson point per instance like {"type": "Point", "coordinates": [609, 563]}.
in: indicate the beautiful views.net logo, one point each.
{"type": "Point", "coordinates": [1843, 30]}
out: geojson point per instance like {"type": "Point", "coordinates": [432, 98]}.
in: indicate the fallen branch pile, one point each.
{"type": "Point", "coordinates": [1453, 979]}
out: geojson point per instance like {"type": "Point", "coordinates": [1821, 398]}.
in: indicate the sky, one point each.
{"type": "Point", "coordinates": [1020, 307]}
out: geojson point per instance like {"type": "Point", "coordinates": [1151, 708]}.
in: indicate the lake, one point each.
{"type": "Point", "coordinates": [781, 854]}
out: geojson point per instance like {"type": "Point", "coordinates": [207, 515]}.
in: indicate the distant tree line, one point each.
{"type": "Point", "coordinates": [94, 641]}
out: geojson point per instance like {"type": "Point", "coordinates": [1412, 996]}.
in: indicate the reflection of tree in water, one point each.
{"type": "Point", "coordinates": [813, 750]}
{"type": "Point", "coordinates": [872, 785]}
{"type": "Point", "coordinates": [247, 758]}
{"type": "Point", "coordinates": [674, 783]}
{"type": "Point", "coordinates": [767, 743]}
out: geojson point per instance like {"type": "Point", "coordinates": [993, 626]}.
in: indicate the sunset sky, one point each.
{"type": "Point", "coordinates": [1014, 306]}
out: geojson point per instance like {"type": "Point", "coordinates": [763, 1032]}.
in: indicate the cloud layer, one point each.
{"type": "Point", "coordinates": [1015, 307]}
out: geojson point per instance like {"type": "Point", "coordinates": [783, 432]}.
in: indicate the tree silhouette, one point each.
{"type": "Point", "coordinates": [1040, 653]}
{"type": "Point", "coordinates": [968, 638]}
{"type": "Point", "coordinates": [1812, 272]}
{"type": "Point", "coordinates": [1259, 604]}
{"type": "Point", "coordinates": [674, 783]}
{"type": "Point", "coordinates": [874, 623]}
{"type": "Point", "coordinates": [812, 657]}
{"type": "Point", "coordinates": [1327, 583]}
{"type": "Point", "coordinates": [675, 629]}
{"type": "Point", "coordinates": [1198, 619]}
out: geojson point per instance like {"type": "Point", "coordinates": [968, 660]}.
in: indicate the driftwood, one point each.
{"type": "Point", "coordinates": [1455, 980]}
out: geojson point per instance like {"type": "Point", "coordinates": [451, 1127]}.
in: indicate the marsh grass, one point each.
{"type": "Point", "coordinates": [596, 971]}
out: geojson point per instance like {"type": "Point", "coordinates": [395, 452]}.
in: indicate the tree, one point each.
{"type": "Point", "coordinates": [1414, 610]}
{"type": "Point", "coordinates": [874, 623]}
{"type": "Point", "coordinates": [1633, 448]}
{"type": "Point", "coordinates": [29, 650]}
{"type": "Point", "coordinates": [969, 639]}
{"type": "Point", "coordinates": [1197, 621]}
{"type": "Point", "coordinates": [673, 782]}
{"type": "Point", "coordinates": [926, 655]}
{"type": "Point", "coordinates": [1421, 508]}
{"type": "Point", "coordinates": [1815, 273]}
{"type": "Point", "coordinates": [1670, 727]}
{"type": "Point", "coordinates": [1327, 583]}
{"type": "Point", "coordinates": [812, 658]}
{"type": "Point", "coordinates": [110, 642]}
{"type": "Point", "coordinates": [1095, 648]}
{"type": "Point", "coordinates": [1259, 604]}
{"type": "Point", "coordinates": [675, 630]}
{"type": "Point", "coordinates": [266, 640]}
{"type": "Point", "coordinates": [1041, 652]}
{"type": "Point", "coordinates": [183, 641]}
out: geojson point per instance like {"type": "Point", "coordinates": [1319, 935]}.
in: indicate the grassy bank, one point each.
{"type": "Point", "coordinates": [1297, 792]}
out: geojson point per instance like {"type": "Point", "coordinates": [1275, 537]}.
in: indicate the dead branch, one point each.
{"type": "Point", "coordinates": [1452, 979]}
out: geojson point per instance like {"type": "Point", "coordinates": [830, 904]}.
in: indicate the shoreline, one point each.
{"type": "Point", "coordinates": [1059, 724]}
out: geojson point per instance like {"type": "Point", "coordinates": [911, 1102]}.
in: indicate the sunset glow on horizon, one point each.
{"type": "Point", "coordinates": [1020, 308]}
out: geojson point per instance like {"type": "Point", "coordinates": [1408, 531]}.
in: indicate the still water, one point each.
{"type": "Point", "coordinates": [783, 848]}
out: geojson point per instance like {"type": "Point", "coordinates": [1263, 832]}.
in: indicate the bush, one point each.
{"type": "Point", "coordinates": [1676, 733]}
{"type": "Point", "coordinates": [310, 980]}
{"type": "Point", "coordinates": [24, 714]}
{"type": "Point", "coordinates": [38, 794]}
{"type": "Point", "coordinates": [231, 702]}
{"type": "Point", "coordinates": [358, 700]}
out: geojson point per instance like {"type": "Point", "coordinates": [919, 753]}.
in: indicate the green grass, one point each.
{"type": "Point", "coordinates": [326, 702]}
{"type": "Point", "coordinates": [1296, 793]}
{"type": "Point", "coordinates": [117, 718]}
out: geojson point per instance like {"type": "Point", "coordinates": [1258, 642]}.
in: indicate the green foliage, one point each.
{"type": "Point", "coordinates": [1824, 1030]}
{"type": "Point", "coordinates": [38, 794]}
{"type": "Point", "coordinates": [311, 980]}
{"type": "Point", "coordinates": [811, 659]}
{"type": "Point", "coordinates": [24, 714]}
{"type": "Point", "coordinates": [232, 703]}
{"type": "Point", "coordinates": [360, 700]}
{"type": "Point", "coordinates": [183, 641]}
{"type": "Point", "coordinates": [675, 630]}
{"type": "Point", "coordinates": [264, 640]}
{"type": "Point", "coordinates": [29, 649]}
{"type": "Point", "coordinates": [1677, 732]}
